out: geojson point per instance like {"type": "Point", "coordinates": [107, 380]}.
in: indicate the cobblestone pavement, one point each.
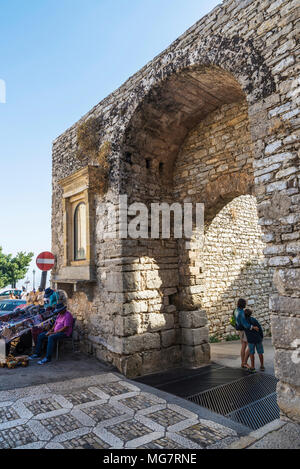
{"type": "Point", "coordinates": [102, 411]}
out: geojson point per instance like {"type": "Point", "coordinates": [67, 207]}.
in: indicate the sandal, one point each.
{"type": "Point", "coordinates": [262, 368]}
{"type": "Point", "coordinates": [252, 370]}
{"type": "Point", "coordinates": [245, 367]}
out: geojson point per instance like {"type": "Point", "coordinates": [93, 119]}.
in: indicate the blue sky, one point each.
{"type": "Point", "coordinates": [58, 59]}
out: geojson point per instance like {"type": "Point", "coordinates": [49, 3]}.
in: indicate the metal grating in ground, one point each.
{"type": "Point", "coordinates": [257, 414]}
{"type": "Point", "coordinates": [250, 401]}
{"type": "Point", "coordinates": [184, 382]}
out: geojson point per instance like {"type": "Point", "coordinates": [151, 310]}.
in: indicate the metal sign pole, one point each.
{"type": "Point", "coordinates": [43, 280]}
{"type": "Point", "coordinates": [2, 351]}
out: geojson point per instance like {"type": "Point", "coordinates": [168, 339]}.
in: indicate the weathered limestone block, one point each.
{"type": "Point", "coordinates": [168, 338]}
{"type": "Point", "coordinates": [154, 322]}
{"type": "Point", "coordinates": [152, 361]}
{"type": "Point", "coordinates": [158, 360]}
{"type": "Point", "coordinates": [153, 279]}
{"type": "Point", "coordinates": [287, 282]}
{"type": "Point", "coordinates": [142, 295]}
{"type": "Point", "coordinates": [171, 355]}
{"type": "Point", "coordinates": [114, 282]}
{"type": "Point", "coordinates": [192, 319]}
{"type": "Point", "coordinates": [287, 367]}
{"type": "Point", "coordinates": [285, 304]}
{"type": "Point", "coordinates": [131, 281]}
{"type": "Point", "coordinates": [195, 336]}
{"type": "Point", "coordinates": [169, 278]}
{"type": "Point", "coordinates": [128, 326]}
{"type": "Point", "coordinates": [279, 261]}
{"type": "Point", "coordinates": [131, 366]}
{"type": "Point", "coordinates": [196, 356]}
{"type": "Point", "coordinates": [162, 278]}
{"type": "Point", "coordinates": [141, 342]}
{"type": "Point", "coordinates": [113, 344]}
{"type": "Point", "coordinates": [285, 332]}
{"type": "Point", "coordinates": [288, 398]}
{"type": "Point", "coordinates": [135, 307]}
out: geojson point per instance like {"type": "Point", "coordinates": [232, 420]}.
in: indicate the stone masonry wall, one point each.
{"type": "Point", "coordinates": [218, 149]}
{"type": "Point", "coordinates": [234, 267]}
{"type": "Point", "coordinates": [214, 166]}
{"type": "Point", "coordinates": [231, 264]}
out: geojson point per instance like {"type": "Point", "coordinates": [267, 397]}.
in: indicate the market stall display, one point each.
{"type": "Point", "coordinates": [21, 321]}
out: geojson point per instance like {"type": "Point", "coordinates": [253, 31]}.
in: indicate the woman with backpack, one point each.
{"type": "Point", "coordinates": [241, 324]}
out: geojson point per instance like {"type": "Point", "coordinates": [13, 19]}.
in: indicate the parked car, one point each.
{"type": "Point", "coordinates": [4, 295]}
{"type": "Point", "coordinates": [8, 306]}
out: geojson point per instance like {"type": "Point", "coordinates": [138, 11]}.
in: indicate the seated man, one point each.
{"type": "Point", "coordinates": [62, 328]}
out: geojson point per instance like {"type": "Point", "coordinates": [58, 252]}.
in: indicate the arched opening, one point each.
{"type": "Point", "coordinates": [169, 112]}
{"type": "Point", "coordinates": [189, 141]}
{"type": "Point", "coordinates": [233, 266]}
{"type": "Point", "coordinates": [80, 233]}
{"type": "Point", "coordinates": [215, 166]}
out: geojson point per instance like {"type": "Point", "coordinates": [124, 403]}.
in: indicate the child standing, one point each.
{"type": "Point", "coordinates": [255, 340]}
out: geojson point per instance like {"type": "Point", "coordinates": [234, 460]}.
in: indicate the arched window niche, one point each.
{"type": "Point", "coordinates": [80, 232]}
{"type": "Point", "coordinates": [78, 194]}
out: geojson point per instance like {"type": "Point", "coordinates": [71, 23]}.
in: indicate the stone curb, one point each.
{"type": "Point", "coordinates": [257, 435]}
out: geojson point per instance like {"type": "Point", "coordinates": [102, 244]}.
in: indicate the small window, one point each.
{"type": "Point", "coordinates": [80, 232]}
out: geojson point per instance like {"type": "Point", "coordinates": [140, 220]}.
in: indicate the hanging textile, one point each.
{"type": "Point", "coordinates": [20, 321]}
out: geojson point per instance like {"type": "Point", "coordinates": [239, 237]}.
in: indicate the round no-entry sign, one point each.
{"type": "Point", "coordinates": [45, 261]}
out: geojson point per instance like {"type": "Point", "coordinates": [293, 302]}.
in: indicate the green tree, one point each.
{"type": "Point", "coordinates": [12, 268]}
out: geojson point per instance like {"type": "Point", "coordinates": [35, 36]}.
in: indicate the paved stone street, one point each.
{"type": "Point", "coordinates": [102, 411]}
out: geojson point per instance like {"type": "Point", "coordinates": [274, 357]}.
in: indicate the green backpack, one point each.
{"type": "Point", "coordinates": [232, 320]}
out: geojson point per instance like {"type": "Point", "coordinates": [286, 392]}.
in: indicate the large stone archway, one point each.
{"type": "Point", "coordinates": [187, 142]}
{"type": "Point", "coordinates": [242, 55]}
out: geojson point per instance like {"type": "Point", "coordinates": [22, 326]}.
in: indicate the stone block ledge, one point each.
{"type": "Point", "coordinates": [285, 304]}
{"type": "Point", "coordinates": [192, 319]}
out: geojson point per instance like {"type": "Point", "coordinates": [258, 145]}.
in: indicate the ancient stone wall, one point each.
{"type": "Point", "coordinates": [244, 49]}
{"type": "Point", "coordinates": [218, 147]}
{"type": "Point", "coordinates": [234, 267]}
{"type": "Point", "coordinates": [231, 264]}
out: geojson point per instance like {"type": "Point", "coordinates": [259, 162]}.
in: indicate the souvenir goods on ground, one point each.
{"type": "Point", "coordinates": [12, 362]}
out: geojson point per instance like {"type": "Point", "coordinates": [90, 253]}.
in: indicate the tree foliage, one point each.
{"type": "Point", "coordinates": [14, 268]}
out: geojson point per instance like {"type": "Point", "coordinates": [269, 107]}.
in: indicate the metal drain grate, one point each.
{"type": "Point", "coordinates": [257, 414]}
{"type": "Point", "coordinates": [250, 400]}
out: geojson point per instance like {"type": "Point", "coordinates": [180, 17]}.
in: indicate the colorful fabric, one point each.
{"type": "Point", "coordinates": [18, 322]}
{"type": "Point", "coordinates": [54, 298]}
{"type": "Point", "coordinates": [31, 298]}
{"type": "Point", "coordinates": [40, 298]}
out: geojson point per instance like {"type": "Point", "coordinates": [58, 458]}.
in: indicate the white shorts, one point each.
{"type": "Point", "coordinates": [243, 336]}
